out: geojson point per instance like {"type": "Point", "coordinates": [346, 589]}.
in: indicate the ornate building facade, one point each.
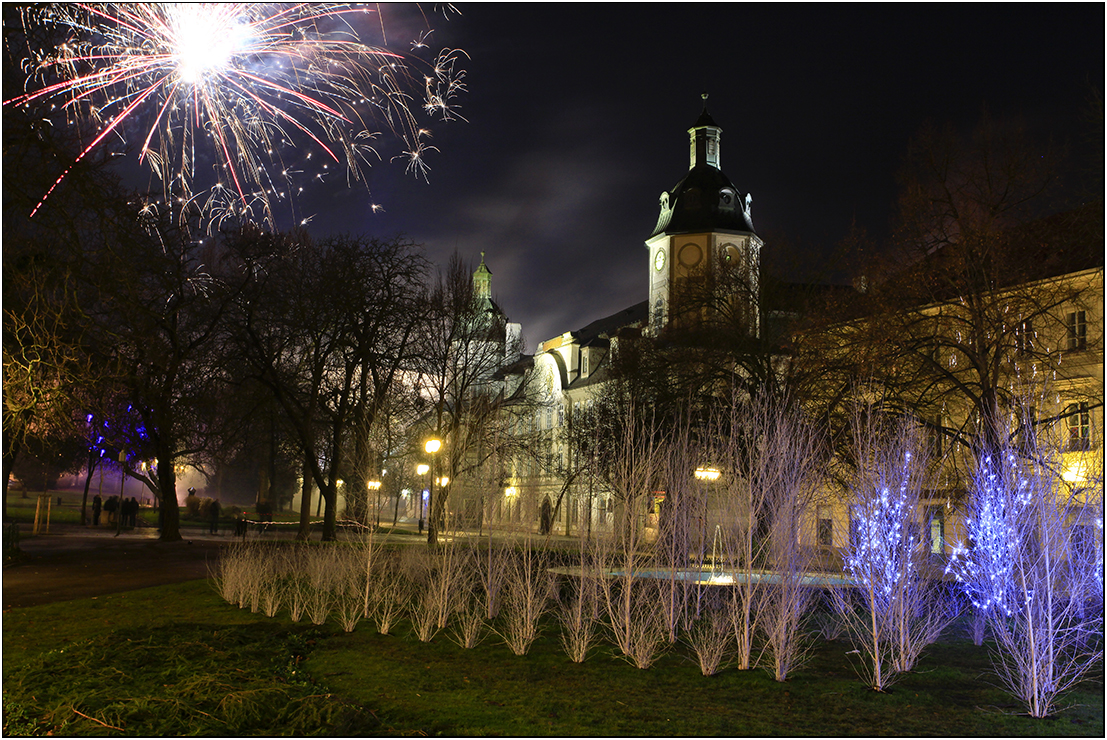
{"type": "Point", "coordinates": [704, 232]}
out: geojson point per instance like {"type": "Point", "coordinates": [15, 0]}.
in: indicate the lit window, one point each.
{"type": "Point", "coordinates": [1077, 330]}
{"type": "Point", "coordinates": [826, 527]}
{"type": "Point", "coordinates": [936, 535]}
{"type": "Point", "coordinates": [1080, 428]}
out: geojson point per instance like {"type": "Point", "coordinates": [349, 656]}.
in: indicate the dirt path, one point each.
{"type": "Point", "coordinates": [63, 567]}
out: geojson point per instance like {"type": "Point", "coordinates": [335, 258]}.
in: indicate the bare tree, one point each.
{"type": "Point", "coordinates": [1033, 565]}
{"type": "Point", "coordinates": [529, 588]}
{"type": "Point", "coordinates": [710, 635]}
{"type": "Point", "coordinates": [895, 608]}
{"type": "Point", "coordinates": [974, 289]}
{"type": "Point", "coordinates": [680, 525]}
{"type": "Point", "coordinates": [744, 462]}
{"type": "Point", "coordinates": [578, 606]}
{"type": "Point", "coordinates": [460, 345]}
{"type": "Point", "coordinates": [390, 594]}
{"type": "Point", "coordinates": [330, 358]}
{"type": "Point", "coordinates": [791, 479]}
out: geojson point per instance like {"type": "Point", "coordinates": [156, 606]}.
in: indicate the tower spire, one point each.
{"type": "Point", "coordinates": [482, 280]}
{"type": "Point", "coordinates": [704, 141]}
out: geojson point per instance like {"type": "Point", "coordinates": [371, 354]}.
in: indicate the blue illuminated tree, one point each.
{"type": "Point", "coordinates": [1024, 567]}
{"type": "Point", "coordinates": [894, 609]}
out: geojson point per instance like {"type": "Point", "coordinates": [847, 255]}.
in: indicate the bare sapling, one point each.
{"type": "Point", "coordinates": [740, 454]}
{"type": "Point", "coordinates": [577, 607]}
{"type": "Point", "coordinates": [322, 574]}
{"type": "Point", "coordinates": [677, 525]}
{"type": "Point", "coordinates": [273, 587]}
{"type": "Point", "coordinates": [253, 578]}
{"type": "Point", "coordinates": [296, 592]}
{"type": "Point", "coordinates": [467, 607]}
{"type": "Point", "coordinates": [423, 611]}
{"type": "Point", "coordinates": [351, 586]}
{"type": "Point", "coordinates": [390, 595]}
{"type": "Point", "coordinates": [633, 466]}
{"type": "Point", "coordinates": [710, 636]}
{"type": "Point", "coordinates": [493, 568]}
{"type": "Point", "coordinates": [270, 580]}
{"type": "Point", "coordinates": [229, 575]}
{"type": "Point", "coordinates": [293, 582]}
{"type": "Point", "coordinates": [529, 588]}
{"type": "Point", "coordinates": [894, 609]}
{"type": "Point", "coordinates": [368, 546]}
{"type": "Point", "coordinates": [469, 625]}
{"type": "Point", "coordinates": [647, 636]}
{"type": "Point", "coordinates": [790, 477]}
{"type": "Point", "coordinates": [424, 603]}
{"type": "Point", "coordinates": [453, 579]}
{"type": "Point", "coordinates": [1034, 569]}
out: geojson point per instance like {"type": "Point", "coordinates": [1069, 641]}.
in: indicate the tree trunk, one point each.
{"type": "Point", "coordinates": [330, 501]}
{"type": "Point", "coordinates": [167, 491]}
{"type": "Point", "coordinates": [88, 481]}
{"type": "Point", "coordinates": [304, 532]}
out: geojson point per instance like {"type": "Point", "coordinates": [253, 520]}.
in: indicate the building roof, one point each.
{"type": "Point", "coordinates": [705, 199]}
{"type": "Point", "coordinates": [705, 118]}
{"type": "Point", "coordinates": [607, 326]}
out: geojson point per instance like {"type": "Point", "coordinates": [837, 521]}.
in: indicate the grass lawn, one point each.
{"type": "Point", "coordinates": [179, 660]}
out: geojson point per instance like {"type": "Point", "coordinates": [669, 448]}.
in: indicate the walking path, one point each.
{"type": "Point", "coordinates": [76, 562]}
{"type": "Point", "coordinates": [79, 563]}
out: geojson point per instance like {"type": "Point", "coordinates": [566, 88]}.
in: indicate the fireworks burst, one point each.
{"type": "Point", "coordinates": [218, 96]}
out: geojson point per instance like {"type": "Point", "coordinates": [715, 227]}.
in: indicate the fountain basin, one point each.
{"type": "Point", "coordinates": [731, 578]}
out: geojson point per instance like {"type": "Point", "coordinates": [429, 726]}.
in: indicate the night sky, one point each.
{"type": "Point", "coordinates": [577, 120]}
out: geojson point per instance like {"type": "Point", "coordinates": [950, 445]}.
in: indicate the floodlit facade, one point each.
{"type": "Point", "coordinates": [1050, 333]}
{"type": "Point", "coordinates": [1051, 362]}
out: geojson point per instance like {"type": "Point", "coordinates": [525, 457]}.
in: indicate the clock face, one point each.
{"type": "Point", "coordinates": [659, 260]}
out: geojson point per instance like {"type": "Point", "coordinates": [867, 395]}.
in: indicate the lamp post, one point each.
{"type": "Point", "coordinates": [422, 469]}
{"type": "Point", "coordinates": [373, 485]}
{"type": "Point", "coordinates": [432, 447]}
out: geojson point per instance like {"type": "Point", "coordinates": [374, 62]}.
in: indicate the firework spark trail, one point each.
{"type": "Point", "coordinates": [248, 78]}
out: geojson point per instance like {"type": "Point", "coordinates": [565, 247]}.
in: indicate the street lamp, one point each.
{"type": "Point", "coordinates": [432, 446]}
{"type": "Point", "coordinates": [422, 469]}
{"type": "Point", "coordinates": [374, 485]}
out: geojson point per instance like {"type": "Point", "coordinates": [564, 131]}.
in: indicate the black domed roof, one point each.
{"type": "Point", "coordinates": [705, 199]}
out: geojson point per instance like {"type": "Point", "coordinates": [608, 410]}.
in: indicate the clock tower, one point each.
{"type": "Point", "coordinates": [704, 237]}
